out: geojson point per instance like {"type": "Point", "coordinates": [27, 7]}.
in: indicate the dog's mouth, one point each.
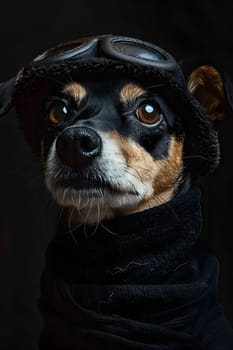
{"type": "Point", "coordinates": [92, 186]}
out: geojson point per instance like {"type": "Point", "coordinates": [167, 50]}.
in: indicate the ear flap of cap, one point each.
{"type": "Point", "coordinates": [214, 91]}
{"type": "Point", "coordinates": [6, 95]}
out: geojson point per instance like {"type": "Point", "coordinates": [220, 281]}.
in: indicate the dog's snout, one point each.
{"type": "Point", "coordinates": [78, 146]}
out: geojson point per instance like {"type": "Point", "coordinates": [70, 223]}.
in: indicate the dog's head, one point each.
{"type": "Point", "coordinates": [118, 137]}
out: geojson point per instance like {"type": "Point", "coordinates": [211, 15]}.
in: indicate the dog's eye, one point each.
{"type": "Point", "coordinates": [148, 113]}
{"type": "Point", "coordinates": [58, 112]}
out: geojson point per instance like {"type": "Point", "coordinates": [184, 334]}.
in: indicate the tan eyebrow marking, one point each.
{"type": "Point", "coordinates": [77, 91]}
{"type": "Point", "coordinates": [131, 91]}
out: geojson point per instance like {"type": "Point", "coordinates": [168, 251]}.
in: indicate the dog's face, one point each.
{"type": "Point", "coordinates": [114, 149]}
{"type": "Point", "coordinates": [117, 147]}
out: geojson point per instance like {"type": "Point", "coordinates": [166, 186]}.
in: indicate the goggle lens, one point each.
{"type": "Point", "coordinates": [138, 51]}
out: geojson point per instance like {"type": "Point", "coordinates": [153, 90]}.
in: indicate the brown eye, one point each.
{"type": "Point", "coordinates": [58, 112]}
{"type": "Point", "coordinates": [148, 113]}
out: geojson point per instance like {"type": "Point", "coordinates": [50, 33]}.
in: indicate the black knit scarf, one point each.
{"type": "Point", "coordinates": [136, 282]}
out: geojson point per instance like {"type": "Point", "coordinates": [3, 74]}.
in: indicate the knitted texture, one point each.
{"type": "Point", "coordinates": [145, 285]}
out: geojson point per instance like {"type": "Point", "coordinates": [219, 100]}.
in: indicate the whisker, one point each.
{"type": "Point", "coordinates": [109, 231]}
{"type": "Point", "coordinates": [74, 239]}
{"type": "Point", "coordinates": [196, 156]}
{"type": "Point", "coordinates": [97, 222]}
{"type": "Point", "coordinates": [155, 86]}
{"type": "Point", "coordinates": [89, 205]}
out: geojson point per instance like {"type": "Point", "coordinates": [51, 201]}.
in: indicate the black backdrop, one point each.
{"type": "Point", "coordinates": [188, 30]}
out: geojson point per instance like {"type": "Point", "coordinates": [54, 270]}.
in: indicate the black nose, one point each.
{"type": "Point", "coordinates": [78, 146]}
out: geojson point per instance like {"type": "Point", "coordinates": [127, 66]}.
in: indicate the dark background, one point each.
{"type": "Point", "coordinates": [189, 30]}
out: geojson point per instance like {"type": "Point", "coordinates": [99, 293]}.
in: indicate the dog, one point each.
{"type": "Point", "coordinates": [124, 137]}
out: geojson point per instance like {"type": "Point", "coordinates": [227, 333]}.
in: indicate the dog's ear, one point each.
{"type": "Point", "coordinates": [6, 94]}
{"type": "Point", "coordinates": [214, 91]}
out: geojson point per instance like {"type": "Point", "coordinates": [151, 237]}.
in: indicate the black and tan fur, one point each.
{"type": "Point", "coordinates": [143, 164]}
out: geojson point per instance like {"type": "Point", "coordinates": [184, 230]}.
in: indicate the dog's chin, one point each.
{"type": "Point", "coordinates": [93, 202]}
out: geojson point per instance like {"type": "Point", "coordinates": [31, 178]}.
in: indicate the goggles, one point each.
{"type": "Point", "coordinates": [113, 47]}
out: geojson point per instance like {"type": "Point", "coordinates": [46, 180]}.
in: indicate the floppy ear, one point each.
{"type": "Point", "coordinates": [6, 94]}
{"type": "Point", "coordinates": [213, 90]}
